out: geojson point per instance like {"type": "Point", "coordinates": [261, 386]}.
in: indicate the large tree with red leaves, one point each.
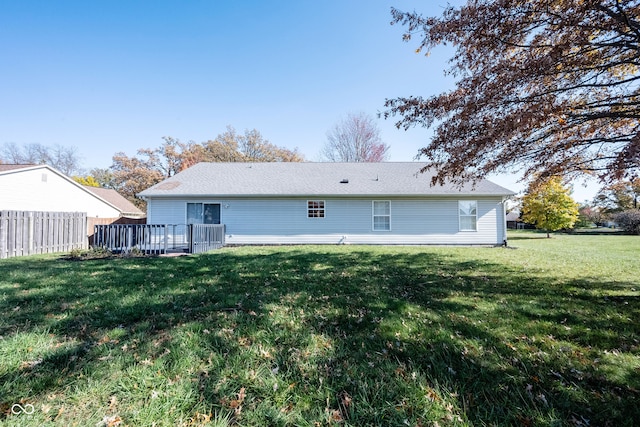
{"type": "Point", "coordinates": [546, 86]}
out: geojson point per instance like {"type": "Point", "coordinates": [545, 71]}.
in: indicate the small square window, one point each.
{"type": "Point", "coordinates": [315, 209]}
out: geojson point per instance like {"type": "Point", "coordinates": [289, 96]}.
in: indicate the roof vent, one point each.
{"type": "Point", "coordinates": [344, 181]}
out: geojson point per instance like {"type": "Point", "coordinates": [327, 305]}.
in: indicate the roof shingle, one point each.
{"type": "Point", "coordinates": [116, 199]}
{"type": "Point", "coordinates": [312, 179]}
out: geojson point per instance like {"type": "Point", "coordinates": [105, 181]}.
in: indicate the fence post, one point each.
{"type": "Point", "coordinates": [4, 234]}
{"type": "Point", "coordinates": [30, 221]}
{"type": "Point", "coordinates": [190, 238]}
{"type": "Point", "coordinates": [166, 237]}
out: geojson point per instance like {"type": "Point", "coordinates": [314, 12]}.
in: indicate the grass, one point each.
{"type": "Point", "coordinates": [545, 334]}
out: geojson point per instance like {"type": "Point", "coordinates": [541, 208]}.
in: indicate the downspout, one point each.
{"type": "Point", "coordinates": [504, 221]}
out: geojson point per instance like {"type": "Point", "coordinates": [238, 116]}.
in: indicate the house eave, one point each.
{"type": "Point", "coordinates": [64, 177]}
{"type": "Point", "coordinates": [302, 195]}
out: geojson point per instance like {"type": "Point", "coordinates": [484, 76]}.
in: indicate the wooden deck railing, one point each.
{"type": "Point", "coordinates": [205, 237]}
{"type": "Point", "coordinates": [159, 238]}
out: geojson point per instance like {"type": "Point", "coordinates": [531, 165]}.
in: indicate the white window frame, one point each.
{"type": "Point", "coordinates": [461, 216]}
{"type": "Point", "coordinates": [201, 219]}
{"type": "Point", "coordinates": [321, 210]}
{"type": "Point", "coordinates": [374, 216]}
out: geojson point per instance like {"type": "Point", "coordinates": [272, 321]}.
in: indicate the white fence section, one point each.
{"type": "Point", "coordinates": [159, 238]}
{"type": "Point", "coordinates": [29, 233]}
{"type": "Point", "coordinates": [205, 237]}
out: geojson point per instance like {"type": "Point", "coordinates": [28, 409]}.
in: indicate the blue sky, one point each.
{"type": "Point", "coordinates": [111, 76]}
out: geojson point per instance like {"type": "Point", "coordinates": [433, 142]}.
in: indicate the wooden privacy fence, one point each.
{"type": "Point", "coordinates": [29, 233]}
{"type": "Point", "coordinates": [159, 238]}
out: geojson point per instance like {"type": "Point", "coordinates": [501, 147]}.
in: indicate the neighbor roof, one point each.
{"type": "Point", "coordinates": [6, 168]}
{"type": "Point", "coordinates": [110, 197]}
{"type": "Point", "coordinates": [311, 179]}
{"type": "Point", "coordinates": [116, 199]}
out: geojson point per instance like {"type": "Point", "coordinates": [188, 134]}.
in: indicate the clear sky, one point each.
{"type": "Point", "coordinates": [115, 76]}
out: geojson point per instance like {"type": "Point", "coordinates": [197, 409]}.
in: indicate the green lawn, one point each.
{"type": "Point", "coordinates": [544, 334]}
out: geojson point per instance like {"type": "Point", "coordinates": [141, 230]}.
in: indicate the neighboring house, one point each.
{"type": "Point", "coordinates": [515, 222]}
{"type": "Point", "coordinates": [360, 203]}
{"type": "Point", "coordinates": [126, 208]}
{"type": "Point", "coordinates": [43, 188]}
{"type": "Point", "coordinates": [513, 219]}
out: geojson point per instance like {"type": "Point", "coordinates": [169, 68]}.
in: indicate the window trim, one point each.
{"type": "Point", "coordinates": [186, 209]}
{"type": "Point", "coordinates": [320, 210]}
{"type": "Point", "coordinates": [475, 217]}
{"type": "Point", "coordinates": [373, 215]}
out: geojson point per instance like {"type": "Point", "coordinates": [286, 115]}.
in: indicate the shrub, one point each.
{"type": "Point", "coordinates": [629, 220]}
{"type": "Point", "coordinates": [91, 253]}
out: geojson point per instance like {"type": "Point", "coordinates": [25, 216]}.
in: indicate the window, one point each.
{"type": "Point", "coordinates": [203, 213]}
{"type": "Point", "coordinates": [315, 208]}
{"type": "Point", "coordinates": [381, 215]}
{"type": "Point", "coordinates": [468, 214]}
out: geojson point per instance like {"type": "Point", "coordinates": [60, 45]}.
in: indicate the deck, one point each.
{"type": "Point", "coordinates": [157, 239]}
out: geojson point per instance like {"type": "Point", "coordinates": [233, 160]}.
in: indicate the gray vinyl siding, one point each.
{"type": "Point", "coordinates": [284, 220]}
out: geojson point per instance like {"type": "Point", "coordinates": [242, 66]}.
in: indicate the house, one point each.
{"type": "Point", "coordinates": [358, 203]}
{"type": "Point", "coordinates": [126, 208]}
{"type": "Point", "coordinates": [43, 188]}
{"type": "Point", "coordinates": [515, 222]}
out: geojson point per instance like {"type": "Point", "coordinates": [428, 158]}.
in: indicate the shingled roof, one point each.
{"type": "Point", "coordinates": [109, 196]}
{"type": "Point", "coordinates": [116, 199]}
{"type": "Point", "coordinates": [6, 168]}
{"type": "Point", "coordinates": [312, 179]}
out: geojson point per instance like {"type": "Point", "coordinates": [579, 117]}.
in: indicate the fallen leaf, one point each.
{"type": "Point", "coordinates": [60, 412]}
{"type": "Point", "coordinates": [345, 399]}
{"type": "Point", "coordinates": [336, 416]}
{"type": "Point", "coordinates": [236, 404]}
{"type": "Point", "coordinates": [112, 421]}
{"type": "Point", "coordinates": [113, 402]}
{"type": "Point", "coordinates": [543, 399]}
{"type": "Point", "coordinates": [432, 395]}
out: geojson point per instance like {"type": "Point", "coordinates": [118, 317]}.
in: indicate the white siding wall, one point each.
{"type": "Point", "coordinates": [44, 190]}
{"type": "Point", "coordinates": [283, 221]}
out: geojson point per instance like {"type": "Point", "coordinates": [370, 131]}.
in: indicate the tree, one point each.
{"type": "Point", "coordinates": [87, 181]}
{"type": "Point", "coordinates": [355, 139]}
{"type": "Point", "coordinates": [618, 196]}
{"type": "Point", "coordinates": [591, 214]}
{"type": "Point", "coordinates": [548, 86]}
{"type": "Point", "coordinates": [131, 175]}
{"type": "Point", "coordinates": [103, 176]}
{"type": "Point", "coordinates": [250, 147]}
{"type": "Point", "coordinates": [134, 174]}
{"type": "Point", "coordinates": [549, 206]}
{"type": "Point", "coordinates": [628, 220]}
{"type": "Point", "coordinates": [65, 159]}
